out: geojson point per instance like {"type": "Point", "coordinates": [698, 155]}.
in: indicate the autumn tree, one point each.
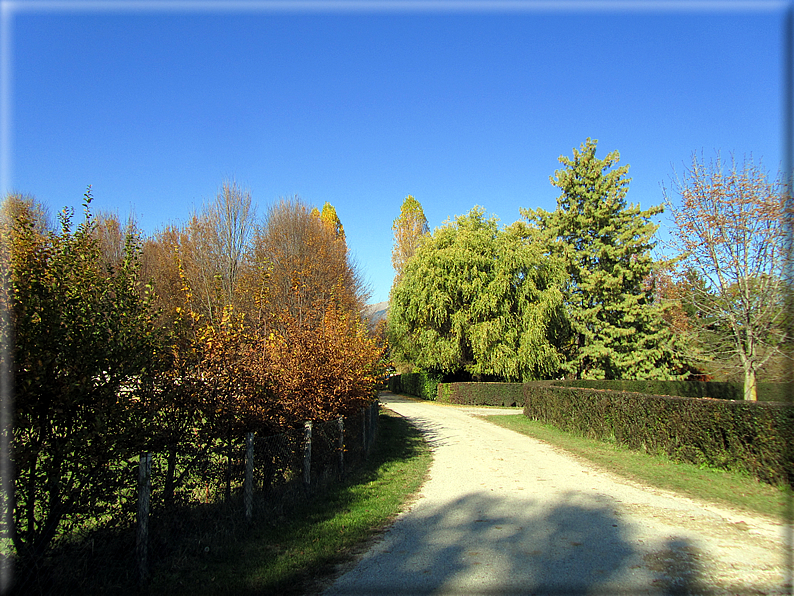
{"type": "Point", "coordinates": [409, 229]}
{"type": "Point", "coordinates": [214, 248]}
{"type": "Point", "coordinates": [305, 262]}
{"type": "Point", "coordinates": [617, 327]}
{"type": "Point", "coordinates": [329, 217]}
{"type": "Point", "coordinates": [16, 205]}
{"type": "Point", "coordinates": [730, 231]}
{"type": "Point", "coordinates": [479, 299]}
{"type": "Point", "coordinates": [112, 235]}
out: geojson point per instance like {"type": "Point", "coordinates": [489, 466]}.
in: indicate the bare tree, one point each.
{"type": "Point", "coordinates": [731, 235]}
{"type": "Point", "coordinates": [214, 249]}
{"type": "Point", "coordinates": [112, 235]}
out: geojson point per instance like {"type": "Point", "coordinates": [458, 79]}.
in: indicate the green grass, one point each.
{"type": "Point", "coordinates": [718, 486]}
{"type": "Point", "coordinates": [290, 553]}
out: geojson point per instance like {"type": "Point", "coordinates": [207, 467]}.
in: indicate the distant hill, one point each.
{"type": "Point", "coordinates": [375, 312]}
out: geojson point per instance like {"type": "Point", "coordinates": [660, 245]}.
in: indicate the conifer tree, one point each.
{"type": "Point", "coordinates": [617, 328]}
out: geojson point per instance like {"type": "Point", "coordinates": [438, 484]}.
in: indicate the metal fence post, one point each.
{"type": "Point", "coordinates": [341, 446]}
{"type": "Point", "coordinates": [307, 456]}
{"type": "Point", "coordinates": [144, 494]}
{"type": "Point", "coordinates": [248, 491]}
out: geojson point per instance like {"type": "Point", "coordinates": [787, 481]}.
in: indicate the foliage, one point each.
{"type": "Point", "coordinates": [731, 234]}
{"type": "Point", "coordinates": [479, 299]}
{"type": "Point", "coordinates": [617, 328]}
{"type": "Point", "coordinates": [82, 354]}
{"type": "Point", "coordinates": [303, 263]}
{"type": "Point", "coordinates": [329, 217]}
{"type": "Point", "coordinates": [482, 394]}
{"type": "Point", "coordinates": [732, 435]}
{"type": "Point", "coordinates": [409, 230]}
{"type": "Point", "coordinates": [321, 371]}
{"type": "Point", "coordinates": [420, 384]}
{"type": "Point", "coordinates": [689, 388]}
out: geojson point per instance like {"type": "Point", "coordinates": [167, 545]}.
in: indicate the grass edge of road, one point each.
{"type": "Point", "coordinates": [737, 491]}
{"type": "Point", "coordinates": [299, 552]}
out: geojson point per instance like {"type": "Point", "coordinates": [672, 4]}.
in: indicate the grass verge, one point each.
{"type": "Point", "coordinates": [292, 553]}
{"type": "Point", "coordinates": [717, 486]}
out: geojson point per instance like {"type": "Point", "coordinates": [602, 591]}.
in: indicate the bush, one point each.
{"type": "Point", "coordinates": [713, 389]}
{"type": "Point", "coordinates": [747, 437]}
{"type": "Point", "coordinates": [420, 384]}
{"type": "Point", "coordinates": [481, 394]}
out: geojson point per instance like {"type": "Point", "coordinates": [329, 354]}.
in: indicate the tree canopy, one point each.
{"type": "Point", "coordinates": [730, 230]}
{"type": "Point", "coordinates": [617, 329]}
{"type": "Point", "coordinates": [479, 299]}
{"type": "Point", "coordinates": [409, 229]}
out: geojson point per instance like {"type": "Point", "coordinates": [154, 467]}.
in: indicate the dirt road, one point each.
{"type": "Point", "coordinates": [502, 513]}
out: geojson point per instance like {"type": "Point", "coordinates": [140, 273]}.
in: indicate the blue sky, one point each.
{"type": "Point", "coordinates": [363, 106]}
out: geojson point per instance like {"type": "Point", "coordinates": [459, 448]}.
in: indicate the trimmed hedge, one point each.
{"type": "Point", "coordinates": [714, 389]}
{"type": "Point", "coordinates": [482, 394]}
{"type": "Point", "coordinates": [750, 437]}
{"type": "Point", "coordinates": [422, 384]}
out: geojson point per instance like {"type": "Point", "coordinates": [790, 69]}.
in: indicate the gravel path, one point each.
{"type": "Point", "coordinates": [502, 513]}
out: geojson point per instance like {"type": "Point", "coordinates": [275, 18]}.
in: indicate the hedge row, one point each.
{"type": "Point", "coordinates": [420, 384]}
{"type": "Point", "coordinates": [750, 437]}
{"type": "Point", "coordinates": [482, 394]}
{"type": "Point", "coordinates": [717, 390]}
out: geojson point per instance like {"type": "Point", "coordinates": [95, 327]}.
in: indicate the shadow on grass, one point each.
{"type": "Point", "coordinates": [244, 565]}
{"type": "Point", "coordinates": [202, 548]}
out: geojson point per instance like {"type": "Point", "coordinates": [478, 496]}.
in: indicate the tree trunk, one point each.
{"type": "Point", "coordinates": [750, 385]}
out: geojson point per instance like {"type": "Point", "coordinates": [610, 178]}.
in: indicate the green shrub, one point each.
{"type": "Point", "coordinates": [419, 384]}
{"type": "Point", "coordinates": [713, 389]}
{"type": "Point", "coordinates": [482, 394]}
{"type": "Point", "coordinates": [742, 436]}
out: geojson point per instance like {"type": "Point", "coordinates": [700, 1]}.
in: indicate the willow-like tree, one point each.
{"type": "Point", "coordinates": [730, 229]}
{"type": "Point", "coordinates": [617, 328]}
{"type": "Point", "coordinates": [409, 229]}
{"type": "Point", "coordinates": [479, 299]}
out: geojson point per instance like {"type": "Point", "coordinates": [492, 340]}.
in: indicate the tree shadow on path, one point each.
{"type": "Point", "coordinates": [483, 544]}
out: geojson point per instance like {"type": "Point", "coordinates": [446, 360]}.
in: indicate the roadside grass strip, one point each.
{"type": "Point", "coordinates": [293, 552]}
{"type": "Point", "coordinates": [718, 486]}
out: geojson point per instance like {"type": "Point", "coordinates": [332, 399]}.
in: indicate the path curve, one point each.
{"type": "Point", "coordinates": [502, 513]}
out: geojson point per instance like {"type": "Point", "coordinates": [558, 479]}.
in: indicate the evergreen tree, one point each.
{"type": "Point", "coordinates": [617, 328]}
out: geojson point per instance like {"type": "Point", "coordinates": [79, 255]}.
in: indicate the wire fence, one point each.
{"type": "Point", "coordinates": [174, 504]}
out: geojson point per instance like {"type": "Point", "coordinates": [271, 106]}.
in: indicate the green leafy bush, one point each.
{"type": "Point", "coordinates": [742, 436]}
{"type": "Point", "coordinates": [482, 394]}
{"type": "Point", "coordinates": [420, 384]}
{"type": "Point", "coordinates": [713, 389]}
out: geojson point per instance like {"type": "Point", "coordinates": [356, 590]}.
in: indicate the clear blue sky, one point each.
{"type": "Point", "coordinates": [361, 107]}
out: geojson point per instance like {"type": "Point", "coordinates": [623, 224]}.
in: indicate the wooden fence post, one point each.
{"type": "Point", "coordinates": [341, 447]}
{"type": "Point", "coordinates": [248, 491]}
{"type": "Point", "coordinates": [364, 431]}
{"type": "Point", "coordinates": [307, 457]}
{"type": "Point", "coordinates": [144, 494]}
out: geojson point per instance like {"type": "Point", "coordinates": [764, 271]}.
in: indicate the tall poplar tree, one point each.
{"type": "Point", "coordinates": [617, 328]}
{"type": "Point", "coordinates": [408, 230]}
{"type": "Point", "coordinates": [329, 217]}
